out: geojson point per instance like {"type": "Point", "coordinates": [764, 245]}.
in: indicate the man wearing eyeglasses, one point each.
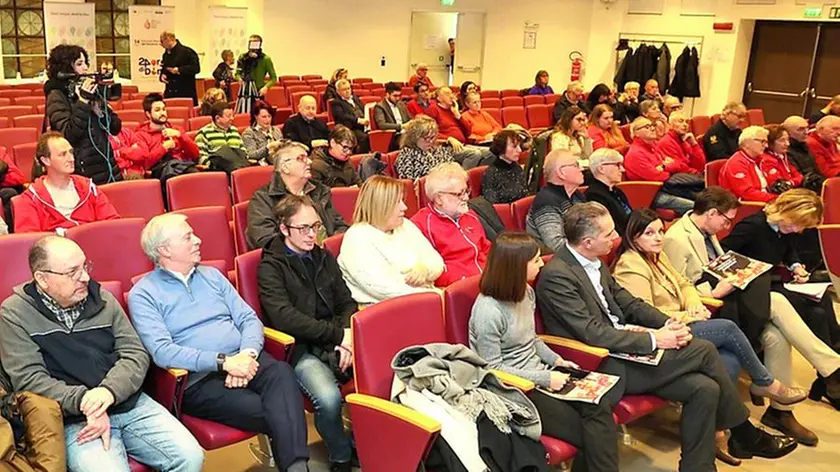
{"type": "Point", "coordinates": [563, 176]}
{"type": "Point", "coordinates": [63, 337]}
{"type": "Point", "coordinates": [741, 174]}
{"type": "Point", "coordinates": [607, 166]}
{"type": "Point", "coordinates": [303, 294]}
{"type": "Point", "coordinates": [721, 140]}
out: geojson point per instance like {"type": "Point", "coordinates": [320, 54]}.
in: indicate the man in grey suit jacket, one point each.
{"type": "Point", "coordinates": [391, 113]}
{"type": "Point", "coordinates": [578, 298]}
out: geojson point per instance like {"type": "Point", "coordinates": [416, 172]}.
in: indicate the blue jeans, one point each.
{"type": "Point", "coordinates": [147, 433]}
{"type": "Point", "coordinates": [667, 201]}
{"type": "Point", "coordinates": [734, 349]}
{"type": "Point", "coordinates": [318, 383]}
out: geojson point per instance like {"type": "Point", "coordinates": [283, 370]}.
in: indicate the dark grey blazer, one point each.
{"type": "Point", "coordinates": [570, 307]}
{"type": "Point", "coordinates": [384, 116]}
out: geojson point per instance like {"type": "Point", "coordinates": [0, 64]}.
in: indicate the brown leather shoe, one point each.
{"type": "Point", "coordinates": [786, 423]}
{"type": "Point", "coordinates": [722, 451]}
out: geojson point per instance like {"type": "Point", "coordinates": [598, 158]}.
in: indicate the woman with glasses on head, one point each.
{"type": "Point", "coordinates": [419, 149]}
{"type": "Point", "coordinates": [262, 131]}
{"type": "Point", "coordinates": [570, 134]}
{"type": "Point", "coordinates": [383, 254]}
{"type": "Point", "coordinates": [603, 130]}
{"type": "Point", "coordinates": [331, 166]}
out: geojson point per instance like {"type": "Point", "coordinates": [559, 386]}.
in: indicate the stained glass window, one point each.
{"type": "Point", "coordinates": [112, 45]}
{"type": "Point", "coordinates": [22, 31]}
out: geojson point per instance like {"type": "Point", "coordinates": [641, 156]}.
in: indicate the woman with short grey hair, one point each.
{"type": "Point", "coordinates": [420, 151]}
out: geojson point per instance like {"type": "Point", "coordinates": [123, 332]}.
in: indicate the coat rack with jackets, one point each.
{"type": "Point", "coordinates": [644, 60]}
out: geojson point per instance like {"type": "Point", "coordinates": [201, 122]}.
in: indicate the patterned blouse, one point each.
{"type": "Point", "coordinates": [413, 162]}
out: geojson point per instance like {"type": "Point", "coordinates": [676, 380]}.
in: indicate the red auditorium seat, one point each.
{"type": "Point", "coordinates": [211, 225]}
{"type": "Point", "coordinates": [14, 93]}
{"type": "Point", "coordinates": [14, 252]}
{"type": "Point", "coordinates": [133, 114]}
{"type": "Point", "coordinates": [746, 209]}
{"type": "Point", "coordinates": [506, 215]}
{"type": "Point", "coordinates": [277, 97]}
{"type": "Point", "coordinates": [333, 244]}
{"type": "Point", "coordinates": [244, 182]}
{"type": "Point", "coordinates": [551, 98]}
{"type": "Point", "coordinates": [712, 170]}
{"type": "Point", "coordinates": [474, 178]}
{"type": "Point", "coordinates": [700, 124]}
{"type": "Point", "coordinates": [514, 115]}
{"type": "Point", "coordinates": [242, 120]}
{"type": "Point", "coordinates": [286, 78]}
{"type": "Point", "coordinates": [240, 227]}
{"type": "Point", "coordinates": [512, 102]}
{"type": "Point", "coordinates": [178, 102]}
{"type": "Point", "coordinates": [184, 113]}
{"type": "Point", "coordinates": [380, 140]}
{"type": "Point", "coordinates": [344, 201]}
{"type": "Point", "coordinates": [755, 117]}
{"type": "Point", "coordinates": [389, 159]}
{"type": "Point", "coordinates": [294, 98]}
{"type": "Point", "coordinates": [539, 116]}
{"type": "Point", "coordinates": [24, 156]}
{"type": "Point", "coordinates": [361, 80]}
{"type": "Point", "coordinates": [369, 99]}
{"type": "Point", "coordinates": [410, 198]}
{"type": "Point", "coordinates": [625, 132]}
{"type": "Point", "coordinates": [485, 94]}
{"type": "Point", "coordinates": [496, 113]}
{"type": "Point", "coordinates": [28, 121]}
{"type": "Point", "coordinates": [200, 189]}
{"type": "Point", "coordinates": [829, 235]}
{"type": "Point", "coordinates": [99, 240]}
{"type": "Point", "coordinates": [16, 110]}
{"type": "Point", "coordinates": [30, 101]}
{"type": "Point", "coordinates": [641, 195]}
{"type": "Point", "coordinates": [198, 122]}
{"type": "Point", "coordinates": [510, 93]}
{"type": "Point", "coordinates": [135, 198]}
{"type": "Point", "coordinates": [831, 201]}
{"type": "Point", "coordinates": [130, 89]}
{"type": "Point", "coordinates": [491, 103]}
{"type": "Point", "coordinates": [533, 100]}
{"type": "Point", "coordinates": [520, 209]}
{"type": "Point", "coordinates": [134, 105]}
{"type": "Point", "coordinates": [309, 77]}
{"type": "Point", "coordinates": [422, 198]}
{"type": "Point", "coordinates": [715, 118]}
{"type": "Point", "coordinates": [9, 137]}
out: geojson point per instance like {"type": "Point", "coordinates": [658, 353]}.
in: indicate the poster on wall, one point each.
{"type": "Point", "coordinates": [70, 23]}
{"type": "Point", "coordinates": [227, 31]}
{"type": "Point", "coordinates": [145, 24]}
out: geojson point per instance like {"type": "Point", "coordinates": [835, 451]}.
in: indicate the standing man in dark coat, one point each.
{"type": "Point", "coordinates": [179, 66]}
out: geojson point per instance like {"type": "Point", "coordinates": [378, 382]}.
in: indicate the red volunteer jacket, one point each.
{"type": "Point", "coordinates": [778, 166]}
{"type": "Point", "coordinates": [448, 125]}
{"type": "Point", "coordinates": [644, 161]}
{"type": "Point", "coordinates": [462, 244]}
{"type": "Point", "coordinates": [692, 157]}
{"type": "Point", "coordinates": [36, 210]}
{"type": "Point", "coordinates": [415, 108]}
{"type": "Point", "coordinates": [151, 150]}
{"type": "Point", "coordinates": [742, 176]}
{"type": "Point", "coordinates": [14, 177]}
{"type": "Point", "coordinates": [825, 154]}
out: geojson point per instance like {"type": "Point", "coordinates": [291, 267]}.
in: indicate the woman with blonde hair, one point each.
{"type": "Point", "coordinates": [603, 130]}
{"type": "Point", "coordinates": [569, 133]}
{"type": "Point", "coordinates": [383, 254]}
{"type": "Point", "coordinates": [420, 151]}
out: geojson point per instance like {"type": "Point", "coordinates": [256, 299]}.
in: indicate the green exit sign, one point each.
{"type": "Point", "coordinates": [447, 3]}
{"type": "Point", "coordinates": [834, 13]}
{"type": "Point", "coordinates": [813, 12]}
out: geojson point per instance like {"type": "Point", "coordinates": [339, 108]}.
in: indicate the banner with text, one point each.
{"type": "Point", "coordinates": [227, 31]}
{"type": "Point", "coordinates": [145, 24]}
{"type": "Point", "coordinates": [71, 23]}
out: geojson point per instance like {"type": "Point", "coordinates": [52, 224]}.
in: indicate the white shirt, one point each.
{"type": "Point", "coordinates": [64, 199]}
{"type": "Point", "coordinates": [396, 111]}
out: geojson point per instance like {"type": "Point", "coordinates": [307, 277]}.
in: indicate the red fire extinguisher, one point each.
{"type": "Point", "coordinates": [577, 66]}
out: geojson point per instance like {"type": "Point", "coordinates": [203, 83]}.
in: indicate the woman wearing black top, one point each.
{"type": "Point", "coordinates": [224, 73]}
{"type": "Point", "coordinates": [505, 180]}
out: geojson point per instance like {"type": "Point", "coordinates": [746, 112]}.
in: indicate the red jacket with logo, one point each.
{"type": "Point", "coordinates": [14, 177]}
{"type": "Point", "coordinates": [673, 146]}
{"type": "Point", "coordinates": [825, 154]}
{"type": "Point", "coordinates": [742, 176]}
{"type": "Point", "coordinates": [151, 150]}
{"type": "Point", "coordinates": [778, 166]}
{"type": "Point", "coordinates": [36, 211]}
{"type": "Point", "coordinates": [644, 161]}
{"type": "Point", "coordinates": [462, 244]}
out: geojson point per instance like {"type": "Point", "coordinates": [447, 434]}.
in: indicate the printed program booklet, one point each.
{"type": "Point", "coordinates": [588, 389]}
{"type": "Point", "coordinates": [737, 269]}
{"type": "Point", "coordinates": [649, 359]}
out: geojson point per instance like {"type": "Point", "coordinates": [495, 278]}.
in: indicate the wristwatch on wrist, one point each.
{"type": "Point", "coordinates": [220, 362]}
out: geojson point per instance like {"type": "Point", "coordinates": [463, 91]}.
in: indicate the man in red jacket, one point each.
{"type": "Point", "coordinates": [421, 100]}
{"type": "Point", "coordinates": [823, 145]}
{"type": "Point", "coordinates": [680, 144]}
{"type": "Point", "coordinates": [11, 183]}
{"type": "Point", "coordinates": [60, 199]}
{"type": "Point", "coordinates": [158, 140]}
{"type": "Point", "coordinates": [741, 174]}
{"type": "Point", "coordinates": [452, 129]}
{"type": "Point", "coordinates": [448, 223]}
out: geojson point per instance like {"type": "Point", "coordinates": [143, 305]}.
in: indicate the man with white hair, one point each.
{"type": "Point", "coordinates": [572, 96]}
{"type": "Point", "coordinates": [721, 140]}
{"type": "Point", "coordinates": [832, 108]}
{"type": "Point", "coordinates": [741, 174]}
{"type": "Point", "coordinates": [190, 317]}
{"type": "Point", "coordinates": [563, 176]}
{"type": "Point", "coordinates": [680, 144]}
{"type": "Point", "coordinates": [349, 111]}
{"type": "Point", "coordinates": [823, 145]}
{"type": "Point", "coordinates": [421, 75]}
{"type": "Point", "coordinates": [451, 128]}
{"type": "Point", "coordinates": [304, 127]}
{"type": "Point", "coordinates": [607, 166]}
{"type": "Point", "coordinates": [65, 338]}
{"type": "Point", "coordinates": [627, 106]}
{"type": "Point", "coordinates": [799, 154]}
{"type": "Point", "coordinates": [451, 227]}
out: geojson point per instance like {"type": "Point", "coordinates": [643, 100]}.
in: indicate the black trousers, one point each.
{"type": "Point", "coordinates": [588, 427]}
{"type": "Point", "coordinates": [271, 404]}
{"type": "Point", "coordinates": [696, 377]}
{"type": "Point", "coordinates": [818, 315]}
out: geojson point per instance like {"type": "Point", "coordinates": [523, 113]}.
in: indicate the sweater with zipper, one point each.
{"type": "Point", "coordinates": [36, 210]}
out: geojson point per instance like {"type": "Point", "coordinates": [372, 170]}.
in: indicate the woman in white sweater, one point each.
{"type": "Point", "coordinates": [383, 255]}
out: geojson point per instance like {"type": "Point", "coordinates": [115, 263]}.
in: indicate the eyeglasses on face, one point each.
{"type": "Point", "coordinates": [302, 158]}
{"type": "Point", "coordinates": [462, 194]}
{"type": "Point", "coordinates": [649, 126]}
{"type": "Point", "coordinates": [74, 274]}
{"type": "Point", "coordinates": [306, 229]}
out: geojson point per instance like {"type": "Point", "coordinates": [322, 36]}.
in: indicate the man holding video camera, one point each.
{"type": "Point", "coordinates": [179, 66]}
{"type": "Point", "coordinates": [77, 107]}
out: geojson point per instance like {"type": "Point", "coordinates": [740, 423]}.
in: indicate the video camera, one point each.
{"type": "Point", "coordinates": [248, 61]}
{"type": "Point", "coordinates": [105, 89]}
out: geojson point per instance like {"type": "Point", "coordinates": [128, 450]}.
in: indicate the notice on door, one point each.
{"type": "Point", "coordinates": [431, 41]}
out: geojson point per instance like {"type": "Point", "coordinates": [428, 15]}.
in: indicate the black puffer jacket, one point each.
{"type": "Point", "coordinates": [87, 133]}
{"type": "Point", "coordinates": [315, 310]}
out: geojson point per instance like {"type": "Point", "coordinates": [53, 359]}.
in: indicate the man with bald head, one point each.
{"type": "Point", "coordinates": [832, 108]}
{"type": "Point", "coordinates": [563, 176]}
{"type": "Point", "coordinates": [823, 145]}
{"type": "Point", "coordinates": [652, 92]}
{"type": "Point", "coordinates": [64, 338]}
{"type": "Point", "coordinates": [304, 127]}
{"type": "Point", "coordinates": [799, 154]}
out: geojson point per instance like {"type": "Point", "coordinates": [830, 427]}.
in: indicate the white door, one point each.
{"type": "Point", "coordinates": [469, 48]}
{"type": "Point", "coordinates": [430, 33]}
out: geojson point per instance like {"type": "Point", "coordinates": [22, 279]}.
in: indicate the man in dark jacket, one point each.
{"type": "Point", "coordinates": [799, 154]}
{"type": "Point", "coordinates": [292, 175]}
{"type": "Point", "coordinates": [179, 66]}
{"type": "Point", "coordinates": [304, 127]}
{"type": "Point", "coordinates": [391, 113]}
{"type": "Point", "coordinates": [349, 111]}
{"type": "Point", "coordinates": [331, 165]}
{"type": "Point", "coordinates": [607, 165]}
{"type": "Point", "coordinates": [572, 96]}
{"type": "Point", "coordinates": [721, 141]}
{"type": "Point", "coordinates": [303, 294]}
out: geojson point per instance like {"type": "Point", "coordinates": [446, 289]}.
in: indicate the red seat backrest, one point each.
{"type": "Point", "coordinates": [200, 189]}
{"type": "Point", "coordinates": [495, 113]}
{"type": "Point", "coordinates": [512, 101]}
{"type": "Point", "coordinates": [286, 78]}
{"type": "Point", "coordinates": [515, 115]}
{"type": "Point", "coordinates": [246, 279]}
{"type": "Point", "coordinates": [178, 102]}
{"type": "Point", "coordinates": [10, 137]}
{"type": "Point", "coordinates": [113, 246]}
{"type": "Point", "coordinates": [829, 235]}
{"type": "Point", "coordinates": [539, 116]}
{"type": "Point", "coordinates": [831, 201]}
{"type": "Point", "coordinates": [244, 182]}
{"type": "Point", "coordinates": [520, 211]}
{"type": "Point", "coordinates": [489, 94]}
{"type": "Point", "coordinates": [533, 100]}
{"type": "Point", "coordinates": [551, 98]}
{"type": "Point", "coordinates": [333, 244]}
{"type": "Point", "coordinates": [640, 194]}
{"type": "Point", "coordinates": [115, 288]}
{"type": "Point", "coordinates": [277, 97]}
{"type": "Point", "coordinates": [240, 227]}
{"type": "Point", "coordinates": [30, 101]}
{"type": "Point", "coordinates": [196, 123]}
{"type": "Point", "coordinates": [311, 77]}
{"type": "Point", "coordinates": [133, 114]}
{"type": "Point", "coordinates": [491, 103]}
{"type": "Point", "coordinates": [133, 105]}
{"type": "Point", "coordinates": [510, 93]}
{"type": "Point", "coordinates": [422, 198]}
{"type": "Point", "coordinates": [28, 121]}
{"type": "Point", "coordinates": [184, 113]}
{"type": "Point", "coordinates": [130, 89]}
{"type": "Point", "coordinates": [242, 120]}
{"type": "Point", "coordinates": [383, 329]}
{"type": "Point", "coordinates": [713, 170]}
{"type": "Point", "coordinates": [506, 215]}
{"type": "Point", "coordinates": [14, 252]}
{"type": "Point", "coordinates": [24, 156]}
{"type": "Point", "coordinates": [211, 225]}
{"type": "Point", "coordinates": [475, 176]}
{"type": "Point", "coordinates": [755, 117]}
{"type": "Point", "coordinates": [410, 198]}
{"type": "Point", "coordinates": [625, 132]}
{"type": "Point", "coordinates": [135, 198]}
{"type": "Point", "coordinates": [700, 124]}
{"type": "Point", "coordinates": [14, 93]}
{"type": "Point", "coordinates": [458, 300]}
{"type": "Point", "coordinates": [344, 201]}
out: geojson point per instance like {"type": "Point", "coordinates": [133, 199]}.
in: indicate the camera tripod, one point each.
{"type": "Point", "coordinates": [247, 94]}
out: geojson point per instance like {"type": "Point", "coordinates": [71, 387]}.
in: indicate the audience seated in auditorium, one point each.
{"type": "Point", "coordinates": [12, 182]}
{"type": "Point", "coordinates": [189, 316]}
{"type": "Point", "coordinates": [721, 140]}
{"type": "Point", "coordinates": [652, 92]}
{"type": "Point", "coordinates": [563, 176]}
{"type": "Point", "coordinates": [159, 141]}
{"type": "Point", "coordinates": [292, 175]}
{"type": "Point", "coordinates": [331, 93]}
{"type": "Point", "coordinates": [628, 103]}
{"type": "Point", "coordinates": [823, 144]}
{"type": "Point", "coordinates": [570, 134]}
{"type": "Point", "coordinates": [799, 154]}
{"type": "Point", "coordinates": [600, 94]}
{"type": "Point", "coordinates": [775, 164]}
{"type": "Point", "coordinates": [421, 74]}
{"type": "Point", "coordinates": [302, 294]}
{"type": "Point", "coordinates": [578, 298]}
{"type": "Point", "coordinates": [391, 113]}
{"type": "Point", "coordinates": [347, 110]}
{"type": "Point", "coordinates": [331, 165]}
{"type": "Point", "coordinates": [454, 230]}
{"type": "Point", "coordinates": [481, 126]}
{"type": "Point", "coordinates": [650, 109]}
{"type": "Point", "coordinates": [72, 111]}
{"type": "Point", "coordinates": [680, 144]}
{"type": "Point", "coordinates": [261, 132]}
{"type": "Point", "coordinates": [211, 96]}
{"type": "Point", "coordinates": [59, 199]}
{"type": "Point", "coordinates": [768, 320]}
{"type": "Point", "coordinates": [607, 167]}
{"type": "Point", "coordinates": [502, 332]}
{"type": "Point", "coordinates": [832, 108]}
{"type": "Point", "coordinates": [452, 128]}
{"type": "Point", "coordinates": [742, 175]}
{"type": "Point", "coordinates": [65, 338]}
{"type": "Point", "coordinates": [304, 127]}
{"type": "Point", "coordinates": [504, 181]}
{"type": "Point", "coordinates": [421, 101]}
{"type": "Point", "coordinates": [572, 96]}
{"type": "Point", "coordinates": [670, 104]}
{"type": "Point", "coordinates": [219, 134]}
{"type": "Point", "coordinates": [603, 130]}
{"type": "Point", "coordinates": [419, 150]}
{"type": "Point", "coordinates": [541, 86]}
{"type": "Point", "coordinates": [383, 254]}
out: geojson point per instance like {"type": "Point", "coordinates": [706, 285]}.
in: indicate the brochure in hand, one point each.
{"type": "Point", "coordinates": [737, 269]}
{"type": "Point", "coordinates": [649, 359]}
{"type": "Point", "coordinates": [582, 386]}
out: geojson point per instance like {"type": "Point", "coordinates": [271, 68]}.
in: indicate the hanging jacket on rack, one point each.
{"type": "Point", "coordinates": [622, 74]}
{"type": "Point", "coordinates": [692, 75]}
{"type": "Point", "coordinates": [649, 64]}
{"type": "Point", "coordinates": [663, 68]}
{"type": "Point", "coordinates": [678, 85]}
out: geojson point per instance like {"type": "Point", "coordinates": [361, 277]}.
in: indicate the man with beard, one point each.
{"type": "Point", "coordinates": [157, 140]}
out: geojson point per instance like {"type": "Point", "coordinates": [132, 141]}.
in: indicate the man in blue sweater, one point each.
{"type": "Point", "coordinates": [190, 317]}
